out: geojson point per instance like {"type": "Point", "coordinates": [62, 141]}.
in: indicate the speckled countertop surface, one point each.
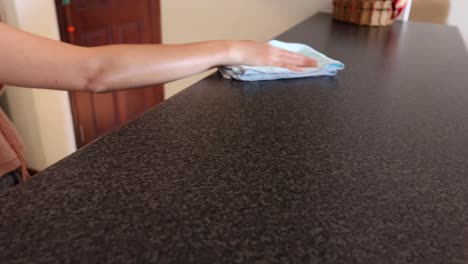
{"type": "Point", "coordinates": [368, 167]}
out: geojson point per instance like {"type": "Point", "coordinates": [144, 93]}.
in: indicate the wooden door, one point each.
{"type": "Point", "coordinates": [101, 22]}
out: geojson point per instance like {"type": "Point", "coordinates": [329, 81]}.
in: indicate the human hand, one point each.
{"type": "Point", "coordinates": [263, 54]}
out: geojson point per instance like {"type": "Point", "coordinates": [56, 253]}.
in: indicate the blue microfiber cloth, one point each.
{"type": "Point", "coordinates": [325, 66]}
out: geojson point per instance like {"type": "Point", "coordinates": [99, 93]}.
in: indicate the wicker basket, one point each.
{"type": "Point", "coordinates": [364, 12]}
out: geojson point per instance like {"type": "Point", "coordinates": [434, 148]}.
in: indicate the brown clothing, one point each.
{"type": "Point", "coordinates": [11, 148]}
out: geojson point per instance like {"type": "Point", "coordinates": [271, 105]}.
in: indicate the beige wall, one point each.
{"type": "Point", "coordinates": [453, 12]}
{"type": "Point", "coordinates": [42, 117]}
{"type": "Point", "coordinates": [190, 21]}
{"type": "Point", "coordinates": [433, 11]}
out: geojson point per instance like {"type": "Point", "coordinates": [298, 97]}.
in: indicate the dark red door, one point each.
{"type": "Point", "coordinates": [101, 22]}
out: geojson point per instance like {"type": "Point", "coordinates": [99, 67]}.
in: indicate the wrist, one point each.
{"type": "Point", "coordinates": [230, 54]}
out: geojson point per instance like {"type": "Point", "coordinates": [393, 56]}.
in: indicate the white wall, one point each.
{"type": "Point", "coordinates": [459, 16]}
{"type": "Point", "coordinates": [190, 21]}
{"type": "Point", "coordinates": [42, 117]}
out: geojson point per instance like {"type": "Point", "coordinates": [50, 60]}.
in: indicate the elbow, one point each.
{"type": "Point", "coordinates": [96, 85]}
{"type": "Point", "coordinates": [95, 79]}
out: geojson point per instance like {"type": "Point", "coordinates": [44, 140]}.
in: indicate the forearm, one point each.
{"type": "Point", "coordinates": [127, 66]}
{"type": "Point", "coordinates": [33, 61]}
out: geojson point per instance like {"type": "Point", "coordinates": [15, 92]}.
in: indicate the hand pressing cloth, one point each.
{"type": "Point", "coordinates": [325, 66]}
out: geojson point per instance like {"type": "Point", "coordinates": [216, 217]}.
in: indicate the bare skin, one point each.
{"type": "Point", "coordinates": [32, 61]}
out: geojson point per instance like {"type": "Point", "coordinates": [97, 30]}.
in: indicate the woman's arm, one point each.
{"type": "Point", "coordinates": [32, 61]}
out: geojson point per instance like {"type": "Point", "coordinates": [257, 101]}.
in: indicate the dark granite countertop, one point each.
{"type": "Point", "coordinates": [367, 167]}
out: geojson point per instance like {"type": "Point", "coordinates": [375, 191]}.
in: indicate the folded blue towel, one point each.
{"type": "Point", "coordinates": [325, 66]}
